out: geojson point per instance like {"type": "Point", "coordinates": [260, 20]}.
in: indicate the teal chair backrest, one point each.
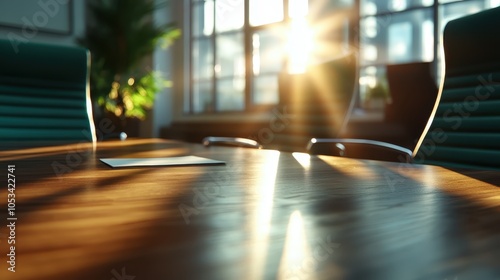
{"type": "Point", "coordinates": [44, 95]}
{"type": "Point", "coordinates": [465, 130]}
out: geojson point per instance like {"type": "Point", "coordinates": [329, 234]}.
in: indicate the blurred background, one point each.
{"type": "Point", "coordinates": [216, 63]}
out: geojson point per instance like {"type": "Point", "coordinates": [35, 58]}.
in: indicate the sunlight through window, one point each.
{"type": "Point", "coordinates": [265, 193]}
{"type": "Point", "coordinates": [208, 26]}
{"type": "Point", "coordinates": [265, 11]}
{"type": "Point", "coordinates": [427, 3]}
{"type": "Point", "coordinates": [261, 213]}
{"type": "Point", "coordinates": [399, 5]}
{"type": "Point", "coordinates": [428, 40]}
{"type": "Point", "coordinates": [256, 54]}
{"type": "Point", "coordinates": [298, 8]}
{"type": "Point", "coordinates": [299, 47]}
{"type": "Point", "coordinates": [229, 15]}
{"type": "Point", "coordinates": [296, 252]}
{"type": "Point", "coordinates": [494, 3]}
{"type": "Point", "coordinates": [237, 54]}
{"type": "Point", "coordinates": [303, 159]}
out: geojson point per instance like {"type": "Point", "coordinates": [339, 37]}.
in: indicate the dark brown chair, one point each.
{"type": "Point", "coordinates": [464, 128]}
{"type": "Point", "coordinates": [316, 103]}
{"type": "Point", "coordinates": [413, 95]}
{"type": "Point", "coordinates": [413, 91]}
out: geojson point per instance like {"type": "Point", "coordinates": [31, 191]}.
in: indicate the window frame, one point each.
{"type": "Point", "coordinates": [247, 32]}
{"type": "Point", "coordinates": [438, 26]}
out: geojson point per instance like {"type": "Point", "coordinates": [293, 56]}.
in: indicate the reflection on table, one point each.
{"type": "Point", "coordinates": [262, 215]}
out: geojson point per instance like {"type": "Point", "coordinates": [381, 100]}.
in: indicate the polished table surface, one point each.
{"type": "Point", "coordinates": [262, 215]}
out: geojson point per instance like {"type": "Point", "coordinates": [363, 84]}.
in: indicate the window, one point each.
{"type": "Point", "coordinates": [402, 31]}
{"type": "Point", "coordinates": [238, 48]}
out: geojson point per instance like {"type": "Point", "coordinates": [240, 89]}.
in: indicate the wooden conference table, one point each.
{"type": "Point", "coordinates": [262, 215]}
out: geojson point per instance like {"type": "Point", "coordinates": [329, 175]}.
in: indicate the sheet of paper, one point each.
{"type": "Point", "coordinates": [165, 161]}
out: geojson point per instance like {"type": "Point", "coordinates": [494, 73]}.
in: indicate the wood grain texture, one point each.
{"type": "Point", "coordinates": [263, 215]}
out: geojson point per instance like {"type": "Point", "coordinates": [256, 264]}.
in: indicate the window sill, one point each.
{"type": "Point", "coordinates": [365, 115]}
{"type": "Point", "coordinates": [224, 117]}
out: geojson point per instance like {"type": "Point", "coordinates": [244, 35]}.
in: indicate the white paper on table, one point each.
{"type": "Point", "coordinates": [165, 161]}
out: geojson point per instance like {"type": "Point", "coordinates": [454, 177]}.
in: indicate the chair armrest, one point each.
{"type": "Point", "coordinates": [231, 141]}
{"type": "Point", "coordinates": [359, 148]}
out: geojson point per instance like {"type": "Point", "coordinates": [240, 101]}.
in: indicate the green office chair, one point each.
{"type": "Point", "coordinates": [44, 95]}
{"type": "Point", "coordinates": [464, 128]}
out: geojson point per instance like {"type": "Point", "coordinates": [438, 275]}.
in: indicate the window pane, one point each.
{"type": "Point", "coordinates": [230, 55]}
{"type": "Point", "coordinates": [203, 59]}
{"type": "Point", "coordinates": [456, 10]}
{"type": "Point", "coordinates": [268, 51]}
{"type": "Point", "coordinates": [202, 97]}
{"type": "Point", "coordinates": [265, 89]}
{"type": "Point", "coordinates": [231, 94]}
{"type": "Point", "coordinates": [265, 11]}
{"type": "Point", "coordinates": [298, 8]}
{"type": "Point", "coordinates": [371, 78]}
{"type": "Point", "coordinates": [448, 1]}
{"type": "Point", "coordinates": [268, 60]}
{"type": "Point", "coordinates": [229, 15]}
{"type": "Point", "coordinates": [492, 3]}
{"type": "Point", "coordinates": [373, 7]}
{"type": "Point", "coordinates": [400, 42]}
{"type": "Point", "coordinates": [402, 37]}
{"type": "Point", "coordinates": [321, 9]}
{"type": "Point", "coordinates": [299, 45]}
{"type": "Point", "coordinates": [203, 18]}
{"type": "Point", "coordinates": [450, 12]}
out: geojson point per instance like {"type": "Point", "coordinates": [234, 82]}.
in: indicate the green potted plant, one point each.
{"type": "Point", "coordinates": [377, 96]}
{"type": "Point", "coordinates": [121, 37]}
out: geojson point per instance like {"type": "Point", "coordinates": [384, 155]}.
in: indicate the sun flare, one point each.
{"type": "Point", "coordinates": [299, 45]}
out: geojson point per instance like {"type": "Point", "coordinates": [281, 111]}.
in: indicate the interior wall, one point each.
{"type": "Point", "coordinates": [62, 22]}
{"type": "Point", "coordinates": [43, 21]}
{"type": "Point", "coordinates": [161, 115]}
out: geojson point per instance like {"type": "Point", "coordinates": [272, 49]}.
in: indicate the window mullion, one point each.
{"type": "Point", "coordinates": [286, 16]}
{"type": "Point", "coordinates": [213, 38]}
{"type": "Point", "coordinates": [248, 49]}
{"type": "Point", "coordinates": [190, 84]}
{"type": "Point", "coordinates": [435, 10]}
